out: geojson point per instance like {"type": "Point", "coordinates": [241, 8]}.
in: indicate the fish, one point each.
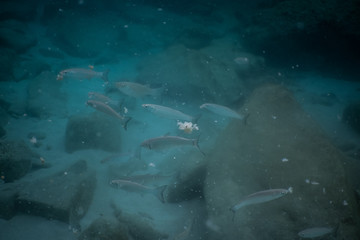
{"type": "Point", "coordinates": [102, 107]}
{"type": "Point", "coordinates": [261, 197]}
{"type": "Point", "coordinates": [169, 113]}
{"type": "Point", "coordinates": [315, 232]}
{"type": "Point", "coordinates": [222, 110]}
{"type": "Point", "coordinates": [137, 90]}
{"type": "Point", "coordinates": [163, 142]}
{"type": "Point", "coordinates": [139, 188]}
{"type": "Point", "coordinates": [82, 73]}
{"type": "Point", "coordinates": [101, 98]}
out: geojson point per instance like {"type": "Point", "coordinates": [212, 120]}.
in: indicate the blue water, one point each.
{"type": "Point", "coordinates": [197, 52]}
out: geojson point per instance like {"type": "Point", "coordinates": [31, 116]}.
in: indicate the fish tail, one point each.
{"type": "Point", "coordinates": [196, 144]}
{"type": "Point", "coordinates": [159, 193]}
{"type": "Point", "coordinates": [126, 121]}
{"type": "Point", "coordinates": [196, 118]}
{"type": "Point", "coordinates": [104, 75]}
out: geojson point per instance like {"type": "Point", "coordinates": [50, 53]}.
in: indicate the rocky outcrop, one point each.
{"type": "Point", "coordinates": [15, 160]}
{"type": "Point", "coordinates": [104, 229]}
{"type": "Point", "coordinates": [65, 196]}
{"type": "Point", "coordinates": [351, 116]}
{"type": "Point", "coordinates": [313, 34]}
{"type": "Point", "coordinates": [201, 73]}
{"type": "Point", "coordinates": [93, 131]}
{"type": "Point", "coordinates": [44, 98]}
{"type": "Point", "coordinates": [279, 147]}
{"type": "Point", "coordinates": [16, 35]}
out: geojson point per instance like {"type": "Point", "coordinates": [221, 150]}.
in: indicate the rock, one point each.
{"type": "Point", "coordinates": [39, 91]}
{"type": "Point", "coordinates": [104, 229]}
{"type": "Point", "coordinates": [38, 135]}
{"type": "Point", "coordinates": [51, 53]}
{"type": "Point", "coordinates": [8, 195]}
{"type": "Point", "coordinates": [279, 147]}
{"type": "Point", "coordinates": [298, 25]}
{"type": "Point", "coordinates": [189, 182]}
{"type": "Point", "coordinates": [16, 35]}
{"type": "Point", "coordinates": [29, 68]}
{"type": "Point", "coordinates": [46, 196]}
{"type": "Point", "coordinates": [138, 227]}
{"type": "Point", "coordinates": [351, 116]}
{"type": "Point", "coordinates": [15, 160]}
{"type": "Point", "coordinates": [204, 76]}
{"type": "Point", "coordinates": [99, 33]}
{"type": "Point", "coordinates": [7, 57]}
{"type": "Point", "coordinates": [2, 132]}
{"type": "Point", "coordinates": [93, 131]}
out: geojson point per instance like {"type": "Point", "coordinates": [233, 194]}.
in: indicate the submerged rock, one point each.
{"type": "Point", "coordinates": [93, 131]}
{"type": "Point", "coordinates": [15, 160]}
{"type": "Point", "coordinates": [44, 98]}
{"type": "Point", "coordinates": [203, 76]}
{"type": "Point", "coordinates": [351, 116]}
{"type": "Point", "coordinates": [138, 227]}
{"type": "Point", "coordinates": [65, 196]}
{"type": "Point", "coordinates": [104, 229]}
{"type": "Point", "coordinates": [188, 184]}
{"type": "Point", "coordinates": [16, 35]}
{"type": "Point", "coordinates": [279, 147]}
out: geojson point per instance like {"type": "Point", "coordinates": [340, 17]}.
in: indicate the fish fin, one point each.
{"type": "Point", "coordinates": [126, 121]}
{"type": "Point", "coordinates": [196, 118]}
{"type": "Point", "coordinates": [159, 193]}
{"type": "Point", "coordinates": [104, 76]}
{"type": "Point", "coordinates": [196, 144]}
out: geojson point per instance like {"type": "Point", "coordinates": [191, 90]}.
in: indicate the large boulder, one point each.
{"type": "Point", "coordinates": [83, 35]}
{"type": "Point", "coordinates": [351, 116]}
{"type": "Point", "coordinates": [7, 57]}
{"type": "Point", "coordinates": [198, 71]}
{"type": "Point", "coordinates": [300, 27]}
{"type": "Point", "coordinates": [16, 35]}
{"type": "Point", "coordinates": [280, 146]}
{"type": "Point", "coordinates": [44, 98]}
{"type": "Point", "coordinates": [93, 131]}
{"type": "Point", "coordinates": [104, 229]}
{"type": "Point", "coordinates": [15, 160]}
{"type": "Point", "coordinates": [65, 196]}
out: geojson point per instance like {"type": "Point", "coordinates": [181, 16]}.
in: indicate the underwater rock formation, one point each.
{"type": "Point", "coordinates": [187, 185]}
{"type": "Point", "coordinates": [65, 196]}
{"type": "Point", "coordinates": [93, 131]}
{"type": "Point", "coordinates": [280, 146]}
{"type": "Point", "coordinates": [351, 116]}
{"type": "Point", "coordinates": [201, 73]}
{"type": "Point", "coordinates": [39, 91]}
{"type": "Point", "coordinates": [304, 29]}
{"type": "Point", "coordinates": [16, 35]}
{"type": "Point", "coordinates": [104, 229]}
{"type": "Point", "coordinates": [15, 160]}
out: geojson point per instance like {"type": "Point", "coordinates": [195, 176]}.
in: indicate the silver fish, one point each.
{"type": "Point", "coordinates": [139, 188]}
{"type": "Point", "coordinates": [82, 73]}
{"type": "Point", "coordinates": [102, 107]}
{"type": "Point", "coordinates": [169, 113]}
{"type": "Point", "coordinates": [138, 90]}
{"type": "Point", "coordinates": [101, 98]}
{"type": "Point", "coordinates": [315, 232]}
{"type": "Point", "coordinates": [261, 197]}
{"type": "Point", "coordinates": [164, 142]}
{"type": "Point", "coordinates": [222, 110]}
